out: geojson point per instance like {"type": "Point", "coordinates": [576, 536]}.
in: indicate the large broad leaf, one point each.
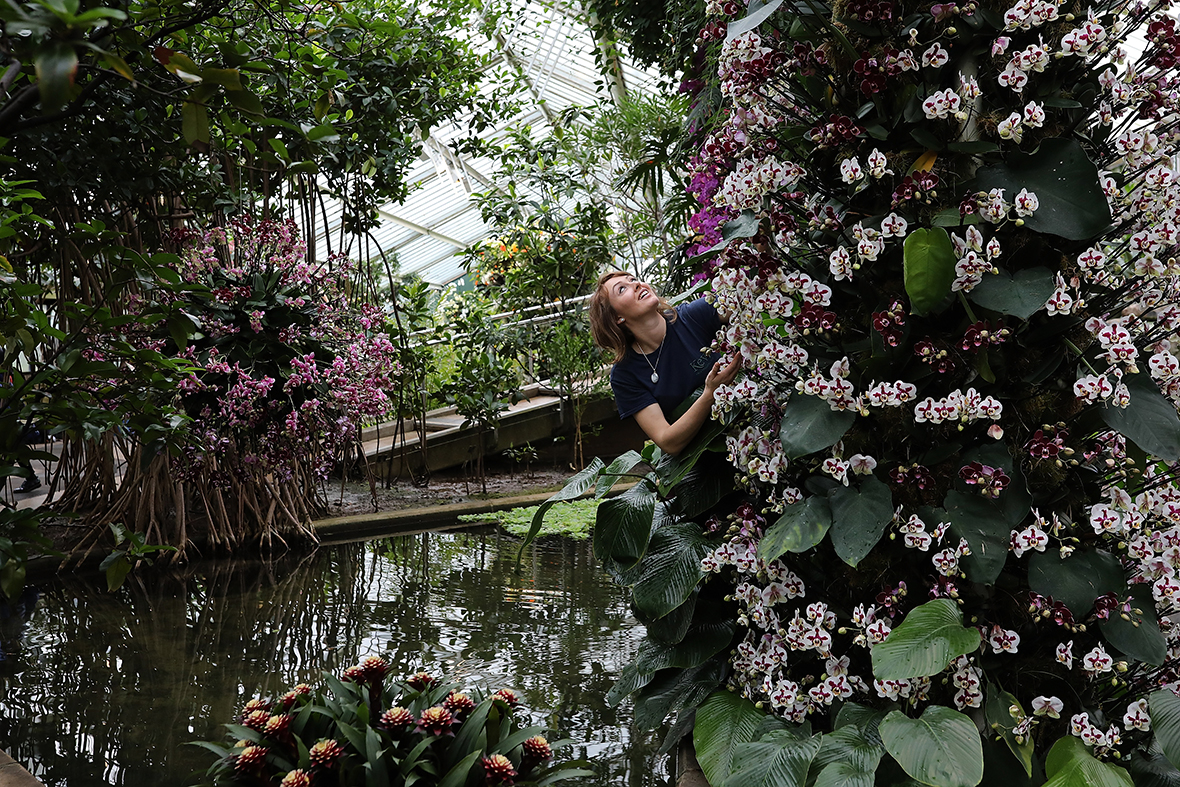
{"type": "Point", "coordinates": [1066, 183]}
{"type": "Point", "coordinates": [705, 639]}
{"type": "Point", "coordinates": [1070, 764]}
{"type": "Point", "coordinates": [573, 489]}
{"type": "Point", "coordinates": [809, 425]}
{"type": "Point", "coordinates": [981, 522]}
{"type": "Point", "coordinates": [848, 757]}
{"type": "Point", "coordinates": [623, 524]}
{"type": "Point", "coordinates": [931, 637]}
{"type": "Point", "coordinates": [1152, 769]}
{"type": "Point", "coordinates": [802, 526]}
{"type": "Point", "coordinates": [1021, 294]}
{"type": "Point", "coordinates": [670, 570]}
{"type": "Point", "coordinates": [1149, 420]}
{"type": "Point", "coordinates": [1143, 642]}
{"type": "Point", "coordinates": [724, 722]}
{"type": "Point", "coordinates": [674, 689]}
{"type": "Point", "coordinates": [630, 680]}
{"type": "Point", "coordinates": [942, 748]}
{"type": "Point", "coordinates": [780, 759]}
{"type": "Point", "coordinates": [608, 476]}
{"type": "Point", "coordinates": [1015, 501]}
{"type": "Point", "coordinates": [1164, 709]}
{"type": "Point", "coordinates": [55, 63]}
{"type": "Point", "coordinates": [999, 718]}
{"type": "Point", "coordinates": [672, 627]}
{"type": "Point", "coordinates": [859, 518]}
{"type": "Point", "coordinates": [699, 491]}
{"type": "Point", "coordinates": [1077, 580]}
{"type": "Point", "coordinates": [929, 268]}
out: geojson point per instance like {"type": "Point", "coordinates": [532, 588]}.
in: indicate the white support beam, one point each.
{"type": "Point", "coordinates": [458, 244]}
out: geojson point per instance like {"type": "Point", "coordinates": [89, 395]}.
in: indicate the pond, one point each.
{"type": "Point", "coordinates": [99, 688]}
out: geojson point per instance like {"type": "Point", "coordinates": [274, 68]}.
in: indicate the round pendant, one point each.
{"type": "Point", "coordinates": [655, 377]}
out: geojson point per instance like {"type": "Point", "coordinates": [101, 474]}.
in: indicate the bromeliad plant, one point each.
{"type": "Point", "coordinates": [363, 729]}
{"type": "Point", "coordinates": [949, 261]}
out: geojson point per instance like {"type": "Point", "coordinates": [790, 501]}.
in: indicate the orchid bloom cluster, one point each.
{"type": "Point", "coordinates": [968, 344]}
{"type": "Point", "coordinates": [285, 361]}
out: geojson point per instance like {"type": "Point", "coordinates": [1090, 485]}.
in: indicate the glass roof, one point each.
{"type": "Point", "coordinates": [552, 53]}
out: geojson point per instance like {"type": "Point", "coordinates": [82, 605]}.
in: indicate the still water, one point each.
{"type": "Point", "coordinates": [99, 688]}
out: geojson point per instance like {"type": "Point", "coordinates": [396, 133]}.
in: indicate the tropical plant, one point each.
{"type": "Point", "coordinates": [363, 729]}
{"type": "Point", "coordinates": [485, 378]}
{"type": "Point", "coordinates": [947, 252]}
{"type": "Point", "coordinates": [285, 371]}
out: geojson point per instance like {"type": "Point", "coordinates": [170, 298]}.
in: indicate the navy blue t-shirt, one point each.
{"type": "Point", "coordinates": [682, 364]}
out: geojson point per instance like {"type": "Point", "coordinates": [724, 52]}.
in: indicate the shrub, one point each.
{"type": "Point", "coordinates": [362, 729]}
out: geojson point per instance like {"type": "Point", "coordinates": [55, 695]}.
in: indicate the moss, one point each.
{"type": "Point", "coordinates": [572, 520]}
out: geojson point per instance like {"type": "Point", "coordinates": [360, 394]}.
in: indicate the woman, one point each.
{"type": "Point", "coordinates": [659, 358]}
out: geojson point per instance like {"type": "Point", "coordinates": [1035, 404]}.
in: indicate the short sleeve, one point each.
{"type": "Point", "coordinates": [631, 396]}
{"type": "Point", "coordinates": [703, 317]}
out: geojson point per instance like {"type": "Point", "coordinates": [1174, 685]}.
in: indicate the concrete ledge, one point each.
{"type": "Point", "coordinates": [13, 775]}
{"type": "Point", "coordinates": [421, 520]}
{"type": "Point", "coordinates": [415, 520]}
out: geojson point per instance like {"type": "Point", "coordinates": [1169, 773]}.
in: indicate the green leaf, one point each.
{"type": "Point", "coordinates": [324, 133]}
{"type": "Point", "coordinates": [810, 425]}
{"type": "Point", "coordinates": [999, 718]}
{"type": "Point", "coordinates": [245, 101]}
{"type": "Point", "coordinates": [1070, 764]}
{"type": "Point", "coordinates": [1077, 580]}
{"type": "Point", "coordinates": [674, 689]}
{"type": "Point", "coordinates": [1021, 294]}
{"type": "Point", "coordinates": [574, 488]}
{"type": "Point", "coordinates": [623, 525]}
{"type": "Point", "coordinates": [859, 518]}
{"type": "Point", "coordinates": [1164, 709]}
{"type": "Point", "coordinates": [705, 638]}
{"type": "Point", "coordinates": [228, 78]}
{"type": "Point", "coordinates": [1072, 204]}
{"type": "Point", "coordinates": [700, 490]}
{"type": "Point", "coordinates": [457, 776]}
{"type": "Point", "coordinates": [1144, 642]}
{"type": "Point", "coordinates": [56, 63]}
{"type": "Point", "coordinates": [981, 522]}
{"type": "Point", "coordinates": [781, 759]}
{"type": "Point", "coordinates": [671, 567]}
{"type": "Point", "coordinates": [194, 122]}
{"type": "Point", "coordinates": [929, 260]}
{"type": "Point", "coordinates": [723, 722]}
{"type": "Point", "coordinates": [279, 147]}
{"type": "Point", "coordinates": [610, 475]}
{"type": "Point", "coordinates": [848, 757]}
{"type": "Point", "coordinates": [1149, 420]}
{"type": "Point", "coordinates": [942, 748]}
{"type": "Point", "coordinates": [1152, 769]}
{"type": "Point", "coordinates": [931, 637]}
{"type": "Point", "coordinates": [744, 226]}
{"type": "Point", "coordinates": [116, 571]}
{"type": "Point", "coordinates": [801, 527]}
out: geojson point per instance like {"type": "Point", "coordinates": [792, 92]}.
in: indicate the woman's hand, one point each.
{"type": "Point", "coordinates": [719, 376]}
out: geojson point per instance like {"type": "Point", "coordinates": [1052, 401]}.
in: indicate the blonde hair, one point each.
{"type": "Point", "coordinates": [608, 333]}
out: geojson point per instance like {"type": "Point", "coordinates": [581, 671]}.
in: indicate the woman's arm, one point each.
{"type": "Point", "coordinates": [673, 437]}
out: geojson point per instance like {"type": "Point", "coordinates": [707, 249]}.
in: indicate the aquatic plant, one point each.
{"type": "Point", "coordinates": [362, 728]}
{"type": "Point", "coordinates": [949, 264]}
{"type": "Point", "coordinates": [572, 519]}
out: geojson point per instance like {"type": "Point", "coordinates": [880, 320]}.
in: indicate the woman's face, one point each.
{"type": "Point", "coordinates": [630, 298]}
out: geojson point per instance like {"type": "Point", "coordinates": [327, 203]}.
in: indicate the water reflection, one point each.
{"type": "Point", "coordinates": [104, 689]}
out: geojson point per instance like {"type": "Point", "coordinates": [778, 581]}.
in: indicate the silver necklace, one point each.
{"type": "Point", "coordinates": [655, 376]}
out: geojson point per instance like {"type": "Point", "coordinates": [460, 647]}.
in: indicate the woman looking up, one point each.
{"type": "Point", "coordinates": [659, 358]}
